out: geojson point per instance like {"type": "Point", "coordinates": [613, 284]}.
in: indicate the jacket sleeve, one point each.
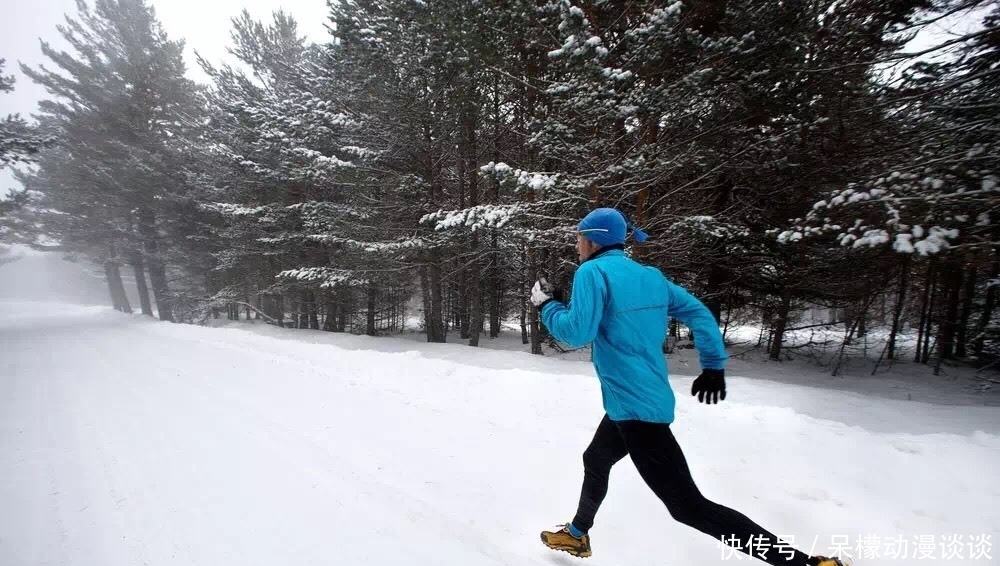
{"type": "Point", "coordinates": [576, 325]}
{"type": "Point", "coordinates": [686, 308]}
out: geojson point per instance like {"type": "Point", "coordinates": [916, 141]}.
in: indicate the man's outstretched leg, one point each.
{"type": "Point", "coordinates": [606, 449]}
{"type": "Point", "coordinates": [661, 463]}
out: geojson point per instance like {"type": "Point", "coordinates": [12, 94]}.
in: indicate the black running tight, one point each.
{"type": "Point", "coordinates": [660, 462]}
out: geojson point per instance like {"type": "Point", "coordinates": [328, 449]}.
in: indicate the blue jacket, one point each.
{"type": "Point", "coordinates": [622, 307]}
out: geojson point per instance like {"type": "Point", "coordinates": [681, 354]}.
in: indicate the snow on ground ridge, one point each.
{"type": "Point", "coordinates": [806, 398]}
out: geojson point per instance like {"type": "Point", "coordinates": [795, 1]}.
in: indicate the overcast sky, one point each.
{"type": "Point", "coordinates": [204, 26]}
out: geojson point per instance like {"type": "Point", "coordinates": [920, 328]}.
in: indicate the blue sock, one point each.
{"type": "Point", "coordinates": [575, 531]}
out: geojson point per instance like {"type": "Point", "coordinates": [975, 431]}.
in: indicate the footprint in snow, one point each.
{"type": "Point", "coordinates": [816, 494]}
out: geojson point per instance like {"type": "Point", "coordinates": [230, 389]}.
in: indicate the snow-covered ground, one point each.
{"type": "Point", "coordinates": [126, 441]}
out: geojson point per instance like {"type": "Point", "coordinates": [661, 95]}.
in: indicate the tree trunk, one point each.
{"type": "Point", "coordinates": [949, 326]}
{"type": "Point", "coordinates": [345, 310]}
{"type": "Point", "coordinates": [465, 278]}
{"type": "Point", "coordinates": [464, 304]}
{"type": "Point", "coordinates": [119, 300]}
{"type": "Point", "coordinates": [158, 278]}
{"type": "Point", "coordinates": [525, 339]}
{"type": "Point", "coordinates": [781, 323]}
{"type": "Point", "coordinates": [931, 317]}
{"type": "Point", "coordinates": [425, 287]}
{"type": "Point", "coordinates": [303, 309]}
{"type": "Point", "coordinates": [140, 284]}
{"type": "Point", "coordinates": [718, 274]}
{"type": "Point", "coordinates": [293, 311]}
{"type": "Point", "coordinates": [475, 272]}
{"type": "Point", "coordinates": [301, 320]}
{"type": "Point", "coordinates": [431, 271]}
{"type": "Point", "coordinates": [436, 329]}
{"type": "Point", "coordinates": [968, 295]}
{"type": "Point", "coordinates": [370, 327]}
{"type": "Point", "coordinates": [313, 315]}
{"type": "Point", "coordinates": [495, 284]}
{"type": "Point", "coordinates": [279, 309]}
{"type": "Point", "coordinates": [729, 316]}
{"type": "Point", "coordinates": [716, 281]}
{"type": "Point", "coordinates": [393, 314]}
{"type": "Point", "coordinates": [897, 311]}
{"type": "Point", "coordinates": [922, 332]}
{"type": "Point", "coordinates": [536, 335]}
{"type": "Point", "coordinates": [430, 281]}
{"type": "Point", "coordinates": [330, 324]}
{"type": "Point", "coordinates": [157, 270]}
{"type": "Point", "coordinates": [476, 326]}
{"type": "Point", "coordinates": [987, 314]}
{"type": "Point", "coordinates": [534, 66]}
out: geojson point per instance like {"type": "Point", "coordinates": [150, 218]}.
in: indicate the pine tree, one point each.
{"type": "Point", "coordinates": [19, 142]}
{"type": "Point", "coordinates": [932, 191]}
{"type": "Point", "coordinates": [119, 103]}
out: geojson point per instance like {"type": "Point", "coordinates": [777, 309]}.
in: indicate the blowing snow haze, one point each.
{"type": "Point", "coordinates": [31, 276]}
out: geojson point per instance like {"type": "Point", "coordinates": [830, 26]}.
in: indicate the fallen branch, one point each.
{"type": "Point", "coordinates": [258, 311]}
{"type": "Point", "coordinates": [988, 366]}
{"type": "Point", "coordinates": [814, 326]}
{"type": "Point", "coordinates": [744, 352]}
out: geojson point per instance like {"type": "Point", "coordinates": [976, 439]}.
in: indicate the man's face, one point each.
{"type": "Point", "coordinates": [584, 247]}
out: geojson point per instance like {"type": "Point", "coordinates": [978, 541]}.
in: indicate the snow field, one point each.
{"type": "Point", "coordinates": [128, 441]}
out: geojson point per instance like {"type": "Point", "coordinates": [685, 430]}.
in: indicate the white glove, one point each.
{"type": "Point", "coordinates": [540, 293]}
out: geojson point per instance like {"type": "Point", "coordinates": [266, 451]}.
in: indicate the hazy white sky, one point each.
{"type": "Point", "coordinates": [204, 25]}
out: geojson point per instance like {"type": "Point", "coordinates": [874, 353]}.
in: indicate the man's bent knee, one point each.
{"type": "Point", "coordinates": [596, 461]}
{"type": "Point", "coordinates": [690, 511]}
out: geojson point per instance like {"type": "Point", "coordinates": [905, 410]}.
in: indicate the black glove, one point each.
{"type": "Point", "coordinates": [710, 386]}
{"type": "Point", "coordinates": [555, 292]}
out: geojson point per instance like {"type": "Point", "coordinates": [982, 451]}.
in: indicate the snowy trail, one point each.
{"type": "Point", "coordinates": [127, 441]}
{"type": "Point", "coordinates": [162, 456]}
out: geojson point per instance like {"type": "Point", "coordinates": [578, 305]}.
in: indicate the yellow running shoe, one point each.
{"type": "Point", "coordinates": [562, 539]}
